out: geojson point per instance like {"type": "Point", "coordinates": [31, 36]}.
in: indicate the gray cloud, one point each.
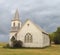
{"type": "Point", "coordinates": [45, 13]}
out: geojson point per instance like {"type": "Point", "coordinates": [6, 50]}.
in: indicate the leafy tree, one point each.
{"type": "Point", "coordinates": [52, 35]}
{"type": "Point", "coordinates": [57, 36]}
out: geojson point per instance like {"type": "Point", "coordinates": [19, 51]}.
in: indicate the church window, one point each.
{"type": "Point", "coordinates": [14, 24]}
{"type": "Point", "coordinates": [28, 38]}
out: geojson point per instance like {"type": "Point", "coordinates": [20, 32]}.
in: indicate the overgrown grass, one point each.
{"type": "Point", "coordinates": [53, 50]}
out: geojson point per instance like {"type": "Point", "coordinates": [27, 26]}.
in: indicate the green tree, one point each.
{"type": "Point", "coordinates": [57, 36]}
{"type": "Point", "coordinates": [52, 35]}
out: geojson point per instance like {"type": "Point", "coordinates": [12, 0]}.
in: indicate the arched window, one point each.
{"type": "Point", "coordinates": [28, 38]}
{"type": "Point", "coordinates": [14, 24]}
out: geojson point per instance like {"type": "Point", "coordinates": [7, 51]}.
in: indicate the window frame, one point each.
{"type": "Point", "coordinates": [28, 38]}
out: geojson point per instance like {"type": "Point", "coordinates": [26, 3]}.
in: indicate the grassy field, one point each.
{"type": "Point", "coordinates": [53, 50]}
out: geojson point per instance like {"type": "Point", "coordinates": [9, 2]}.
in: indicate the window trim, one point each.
{"type": "Point", "coordinates": [28, 38]}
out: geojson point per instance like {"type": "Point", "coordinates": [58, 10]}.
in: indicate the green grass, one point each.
{"type": "Point", "coordinates": [53, 50]}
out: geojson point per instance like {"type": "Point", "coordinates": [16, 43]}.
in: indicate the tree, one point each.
{"type": "Point", "coordinates": [52, 35]}
{"type": "Point", "coordinates": [57, 36]}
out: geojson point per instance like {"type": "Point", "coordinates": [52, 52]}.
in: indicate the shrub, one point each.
{"type": "Point", "coordinates": [17, 44]}
{"type": "Point", "coordinates": [6, 46]}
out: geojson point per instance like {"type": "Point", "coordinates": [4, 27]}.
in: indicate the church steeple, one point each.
{"type": "Point", "coordinates": [16, 14]}
{"type": "Point", "coordinates": [16, 23]}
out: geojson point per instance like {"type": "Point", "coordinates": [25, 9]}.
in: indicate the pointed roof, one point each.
{"type": "Point", "coordinates": [35, 26]}
{"type": "Point", "coordinates": [16, 15]}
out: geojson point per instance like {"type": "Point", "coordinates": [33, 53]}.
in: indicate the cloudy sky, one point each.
{"type": "Point", "coordinates": [45, 13]}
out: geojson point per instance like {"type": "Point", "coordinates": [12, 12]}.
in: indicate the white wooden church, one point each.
{"type": "Point", "coordinates": [29, 33]}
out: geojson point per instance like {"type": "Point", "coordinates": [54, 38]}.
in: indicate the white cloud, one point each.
{"type": "Point", "coordinates": [45, 13]}
{"type": "Point", "coordinates": [2, 1]}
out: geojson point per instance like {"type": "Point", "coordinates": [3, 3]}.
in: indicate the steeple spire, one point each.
{"type": "Point", "coordinates": [16, 15]}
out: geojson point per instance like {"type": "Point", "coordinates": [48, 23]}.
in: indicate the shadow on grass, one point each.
{"type": "Point", "coordinates": [26, 47]}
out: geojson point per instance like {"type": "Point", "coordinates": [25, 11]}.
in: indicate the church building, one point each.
{"type": "Point", "coordinates": [29, 33]}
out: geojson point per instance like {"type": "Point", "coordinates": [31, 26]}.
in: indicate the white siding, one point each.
{"type": "Point", "coordinates": [46, 40]}
{"type": "Point", "coordinates": [16, 23]}
{"type": "Point", "coordinates": [39, 39]}
{"type": "Point", "coordinates": [35, 32]}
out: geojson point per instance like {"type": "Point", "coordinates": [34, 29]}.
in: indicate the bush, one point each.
{"type": "Point", "coordinates": [17, 44]}
{"type": "Point", "coordinates": [6, 46]}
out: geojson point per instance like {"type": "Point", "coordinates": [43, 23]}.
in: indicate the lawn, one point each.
{"type": "Point", "coordinates": [53, 50]}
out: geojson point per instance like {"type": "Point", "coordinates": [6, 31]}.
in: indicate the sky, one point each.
{"type": "Point", "coordinates": [45, 13]}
